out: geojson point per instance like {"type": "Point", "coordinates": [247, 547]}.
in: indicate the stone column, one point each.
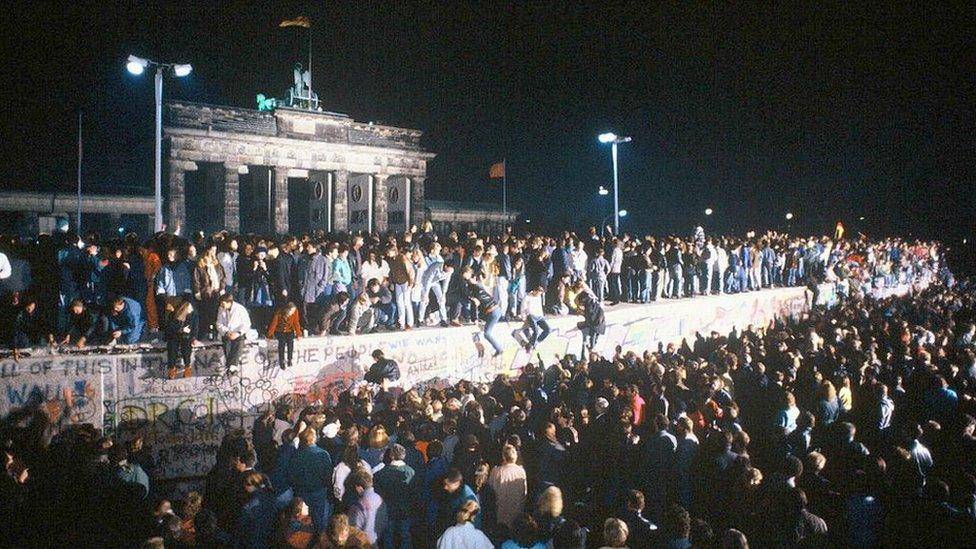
{"type": "Point", "coordinates": [340, 208]}
{"type": "Point", "coordinates": [177, 194]}
{"type": "Point", "coordinates": [32, 222]}
{"type": "Point", "coordinates": [417, 201]}
{"type": "Point", "coordinates": [380, 194]}
{"type": "Point", "coordinates": [280, 203]}
{"type": "Point", "coordinates": [232, 196]}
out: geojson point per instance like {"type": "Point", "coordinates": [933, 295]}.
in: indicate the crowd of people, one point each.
{"type": "Point", "coordinates": [70, 293]}
{"type": "Point", "coordinates": [849, 426]}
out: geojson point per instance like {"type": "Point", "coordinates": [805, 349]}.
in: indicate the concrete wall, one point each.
{"type": "Point", "coordinates": [184, 420]}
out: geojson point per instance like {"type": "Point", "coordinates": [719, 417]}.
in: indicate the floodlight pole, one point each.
{"type": "Point", "coordinates": [158, 217]}
{"type": "Point", "coordinates": [310, 69]}
{"type": "Point", "coordinates": [616, 205]}
{"type": "Point", "coordinates": [78, 218]}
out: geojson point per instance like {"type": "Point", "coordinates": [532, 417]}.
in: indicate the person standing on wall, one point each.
{"type": "Point", "coordinates": [173, 280]}
{"type": "Point", "coordinates": [487, 307]}
{"type": "Point", "coordinates": [402, 279]}
{"type": "Point", "coordinates": [286, 327]}
{"type": "Point", "coordinates": [594, 321]}
{"type": "Point", "coordinates": [209, 281]}
{"type": "Point", "coordinates": [286, 273]}
{"type": "Point", "coordinates": [312, 280]}
{"type": "Point", "coordinates": [616, 264]}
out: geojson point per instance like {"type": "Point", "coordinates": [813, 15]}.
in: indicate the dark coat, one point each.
{"type": "Point", "coordinates": [593, 317]}
{"type": "Point", "coordinates": [383, 369]}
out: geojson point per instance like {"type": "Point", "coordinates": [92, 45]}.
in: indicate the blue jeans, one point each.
{"type": "Point", "coordinates": [490, 320]}
{"type": "Point", "coordinates": [404, 307]}
{"type": "Point", "coordinates": [677, 282]}
{"type": "Point", "coordinates": [731, 281]}
{"type": "Point", "coordinates": [537, 329]}
{"type": "Point", "coordinates": [646, 284]}
{"type": "Point", "coordinates": [500, 294]}
{"type": "Point", "coordinates": [599, 287]}
{"type": "Point", "coordinates": [397, 528]}
{"type": "Point", "coordinates": [613, 281]}
{"type": "Point", "coordinates": [385, 313]}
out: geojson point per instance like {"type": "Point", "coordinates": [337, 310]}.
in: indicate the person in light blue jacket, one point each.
{"type": "Point", "coordinates": [341, 271]}
{"type": "Point", "coordinates": [436, 273]}
{"type": "Point", "coordinates": [174, 277]}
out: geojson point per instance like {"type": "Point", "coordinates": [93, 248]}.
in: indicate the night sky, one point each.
{"type": "Point", "coordinates": [829, 111]}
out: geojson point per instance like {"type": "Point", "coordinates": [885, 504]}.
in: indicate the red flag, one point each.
{"type": "Point", "coordinates": [497, 170]}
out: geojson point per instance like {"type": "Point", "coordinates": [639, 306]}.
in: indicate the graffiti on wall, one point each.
{"type": "Point", "coordinates": [68, 390]}
{"type": "Point", "coordinates": [184, 420]}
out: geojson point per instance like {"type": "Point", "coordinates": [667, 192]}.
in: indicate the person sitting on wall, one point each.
{"type": "Point", "coordinates": [180, 326]}
{"type": "Point", "coordinates": [383, 370]}
{"type": "Point", "coordinates": [233, 323]}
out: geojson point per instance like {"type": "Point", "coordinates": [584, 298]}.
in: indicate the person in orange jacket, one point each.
{"type": "Point", "coordinates": [286, 328]}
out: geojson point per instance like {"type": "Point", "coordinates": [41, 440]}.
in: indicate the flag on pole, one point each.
{"type": "Point", "coordinates": [497, 170]}
{"type": "Point", "coordinates": [300, 21]}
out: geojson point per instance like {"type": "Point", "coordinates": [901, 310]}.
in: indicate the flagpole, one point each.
{"type": "Point", "coordinates": [78, 218]}
{"type": "Point", "coordinates": [505, 190]}
{"type": "Point", "coordinates": [310, 68]}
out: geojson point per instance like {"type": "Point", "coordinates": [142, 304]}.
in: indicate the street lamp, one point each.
{"type": "Point", "coordinates": [613, 139]}
{"type": "Point", "coordinates": [708, 211]}
{"type": "Point", "coordinates": [136, 66]}
{"type": "Point", "coordinates": [603, 222]}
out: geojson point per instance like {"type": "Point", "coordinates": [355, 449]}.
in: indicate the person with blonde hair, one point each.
{"type": "Point", "coordinates": [377, 441]}
{"type": "Point", "coordinates": [828, 407]}
{"type": "Point", "coordinates": [191, 507]}
{"type": "Point", "coordinates": [508, 480]}
{"type": "Point", "coordinates": [464, 535]}
{"type": "Point", "coordinates": [549, 511]}
{"type": "Point", "coordinates": [208, 285]}
{"type": "Point", "coordinates": [614, 533]}
{"type": "Point", "coordinates": [180, 329]}
{"type": "Point", "coordinates": [341, 535]}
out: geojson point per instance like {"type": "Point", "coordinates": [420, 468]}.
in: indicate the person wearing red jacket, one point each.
{"type": "Point", "coordinates": [286, 328]}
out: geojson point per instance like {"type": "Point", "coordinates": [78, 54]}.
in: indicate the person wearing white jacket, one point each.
{"type": "Point", "coordinates": [233, 322]}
